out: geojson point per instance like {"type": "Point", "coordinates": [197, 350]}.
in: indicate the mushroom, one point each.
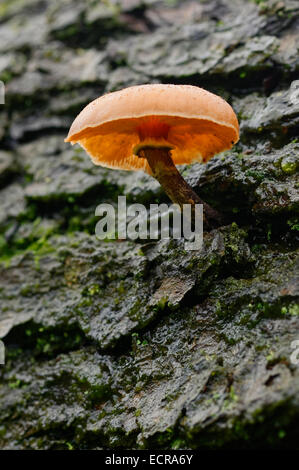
{"type": "Point", "coordinates": [154, 128]}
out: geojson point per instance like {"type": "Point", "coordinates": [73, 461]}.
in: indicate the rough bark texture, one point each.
{"type": "Point", "coordinates": [145, 345]}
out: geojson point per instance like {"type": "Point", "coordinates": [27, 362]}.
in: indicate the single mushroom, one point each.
{"type": "Point", "coordinates": [154, 128]}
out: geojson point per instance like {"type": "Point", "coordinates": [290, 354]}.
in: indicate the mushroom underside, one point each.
{"type": "Point", "coordinates": [155, 145]}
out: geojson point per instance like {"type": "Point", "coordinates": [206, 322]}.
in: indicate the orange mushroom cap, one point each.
{"type": "Point", "coordinates": [194, 123]}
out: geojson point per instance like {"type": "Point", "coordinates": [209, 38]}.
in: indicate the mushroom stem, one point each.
{"type": "Point", "coordinates": [176, 188]}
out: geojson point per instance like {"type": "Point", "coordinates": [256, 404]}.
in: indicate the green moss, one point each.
{"type": "Point", "coordinates": [178, 444]}
{"type": "Point", "coordinates": [5, 76]}
{"type": "Point", "coordinates": [257, 175]}
{"type": "Point", "coordinates": [90, 291]}
{"type": "Point", "coordinates": [4, 6]}
{"type": "Point", "coordinates": [99, 394]}
{"type": "Point", "coordinates": [228, 340]}
{"type": "Point", "coordinates": [121, 288]}
{"type": "Point", "coordinates": [44, 341]}
{"type": "Point", "coordinates": [136, 340]}
{"type": "Point", "coordinates": [164, 438]}
{"type": "Point", "coordinates": [281, 434]}
{"type": "Point", "coordinates": [161, 304]}
{"type": "Point", "coordinates": [135, 311]}
{"type": "Point", "coordinates": [35, 241]}
{"type": "Point", "coordinates": [291, 309]}
{"type": "Point", "coordinates": [293, 224]}
{"type": "Point", "coordinates": [294, 309]}
{"type": "Point", "coordinates": [18, 383]}
{"type": "Point", "coordinates": [39, 248]}
{"type": "Point", "coordinates": [288, 166]}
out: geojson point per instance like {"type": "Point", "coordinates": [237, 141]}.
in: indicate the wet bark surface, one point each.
{"type": "Point", "coordinates": [126, 344]}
